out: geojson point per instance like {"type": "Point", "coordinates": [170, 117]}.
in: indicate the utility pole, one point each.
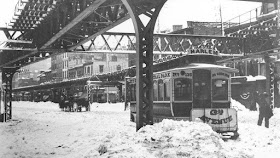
{"type": "Point", "coordinates": [221, 17]}
{"type": "Point", "coordinates": [107, 89]}
{"type": "Point", "coordinates": [278, 22]}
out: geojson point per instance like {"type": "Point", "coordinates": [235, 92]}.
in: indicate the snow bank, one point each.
{"type": "Point", "coordinates": [169, 139]}
{"type": "Point", "coordinates": [107, 107]}
{"type": "Point", "coordinates": [43, 130]}
{"type": "Point", "coordinates": [238, 106]}
{"type": "Point", "coordinates": [49, 106]}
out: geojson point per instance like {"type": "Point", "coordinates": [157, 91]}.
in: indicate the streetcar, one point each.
{"type": "Point", "coordinates": [196, 91]}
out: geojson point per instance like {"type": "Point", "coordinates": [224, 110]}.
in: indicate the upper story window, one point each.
{"type": "Point", "coordinates": [101, 68]}
{"type": "Point", "coordinates": [119, 68]}
{"type": "Point", "coordinates": [114, 58]}
{"type": "Point", "coordinates": [88, 70]}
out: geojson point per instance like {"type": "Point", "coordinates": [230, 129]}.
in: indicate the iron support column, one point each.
{"type": "Point", "coordinates": [127, 92]}
{"type": "Point", "coordinates": [269, 66]}
{"type": "Point", "coordinates": [7, 76]}
{"type": "Point", "coordinates": [144, 56]}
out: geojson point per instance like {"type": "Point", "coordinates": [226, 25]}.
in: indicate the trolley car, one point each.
{"type": "Point", "coordinates": [197, 90]}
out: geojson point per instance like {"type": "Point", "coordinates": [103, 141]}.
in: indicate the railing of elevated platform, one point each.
{"type": "Point", "coordinates": [249, 17]}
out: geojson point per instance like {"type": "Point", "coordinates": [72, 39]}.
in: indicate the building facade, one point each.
{"type": "Point", "coordinates": [67, 65]}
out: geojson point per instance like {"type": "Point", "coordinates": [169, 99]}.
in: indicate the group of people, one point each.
{"type": "Point", "coordinates": [265, 111]}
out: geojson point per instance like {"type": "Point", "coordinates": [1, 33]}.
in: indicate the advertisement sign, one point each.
{"type": "Point", "coordinates": [220, 119]}
{"type": "Point", "coordinates": [220, 74]}
{"type": "Point", "coordinates": [182, 73]}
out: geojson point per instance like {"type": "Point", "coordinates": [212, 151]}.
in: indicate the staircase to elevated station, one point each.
{"type": "Point", "coordinates": [259, 29]}
{"type": "Point", "coordinates": [257, 26]}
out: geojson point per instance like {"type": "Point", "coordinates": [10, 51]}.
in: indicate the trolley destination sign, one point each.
{"type": "Point", "coordinates": [221, 118]}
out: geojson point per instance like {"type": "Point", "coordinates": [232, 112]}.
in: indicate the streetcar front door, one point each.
{"type": "Point", "coordinates": [201, 88]}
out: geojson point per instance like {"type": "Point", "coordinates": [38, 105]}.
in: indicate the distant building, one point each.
{"type": "Point", "coordinates": [177, 27]}
{"type": "Point", "coordinates": [28, 75]}
{"type": "Point", "coordinates": [268, 7]}
{"type": "Point", "coordinates": [25, 77]}
{"type": "Point", "coordinates": [73, 65]}
{"type": "Point", "coordinates": [200, 28]}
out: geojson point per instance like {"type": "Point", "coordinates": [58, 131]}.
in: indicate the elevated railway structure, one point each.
{"type": "Point", "coordinates": [260, 29]}
{"type": "Point", "coordinates": [45, 27]}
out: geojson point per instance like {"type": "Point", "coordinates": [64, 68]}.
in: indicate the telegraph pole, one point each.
{"type": "Point", "coordinates": [222, 25]}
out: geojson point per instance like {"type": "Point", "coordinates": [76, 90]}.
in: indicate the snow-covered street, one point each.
{"type": "Point", "coordinates": [43, 130]}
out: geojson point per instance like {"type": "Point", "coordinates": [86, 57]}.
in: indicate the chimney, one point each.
{"type": "Point", "coordinates": [177, 27]}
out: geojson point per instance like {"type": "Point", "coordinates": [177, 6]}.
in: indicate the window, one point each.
{"type": "Point", "coordinates": [160, 90]}
{"type": "Point", "coordinates": [119, 68]}
{"type": "Point", "coordinates": [114, 58]}
{"type": "Point", "coordinates": [88, 70]}
{"type": "Point", "coordinates": [167, 89]}
{"type": "Point", "coordinates": [182, 89]}
{"type": "Point", "coordinates": [133, 92]}
{"type": "Point", "coordinates": [220, 89]}
{"type": "Point", "coordinates": [101, 68]}
{"type": "Point", "coordinates": [155, 90]}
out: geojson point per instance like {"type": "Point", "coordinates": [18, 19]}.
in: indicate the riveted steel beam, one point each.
{"type": "Point", "coordinates": [144, 56]}
{"type": "Point", "coordinates": [74, 22]}
{"type": "Point", "coordinates": [7, 76]}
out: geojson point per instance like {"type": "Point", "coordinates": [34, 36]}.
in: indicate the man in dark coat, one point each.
{"type": "Point", "coordinates": [265, 112]}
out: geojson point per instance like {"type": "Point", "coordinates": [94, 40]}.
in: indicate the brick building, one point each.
{"type": "Point", "coordinates": [67, 66]}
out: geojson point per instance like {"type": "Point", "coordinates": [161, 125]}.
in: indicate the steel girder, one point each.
{"type": "Point", "coordinates": [7, 76]}
{"type": "Point", "coordinates": [67, 24]}
{"type": "Point", "coordinates": [264, 1]}
{"type": "Point", "coordinates": [144, 56]}
{"type": "Point", "coordinates": [164, 44]}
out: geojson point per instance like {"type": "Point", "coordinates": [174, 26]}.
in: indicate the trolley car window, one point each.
{"type": "Point", "coordinates": [220, 89]}
{"type": "Point", "coordinates": [155, 90]}
{"type": "Point", "coordinates": [160, 90]}
{"type": "Point", "coordinates": [133, 92]}
{"type": "Point", "coordinates": [182, 89]}
{"type": "Point", "coordinates": [167, 89]}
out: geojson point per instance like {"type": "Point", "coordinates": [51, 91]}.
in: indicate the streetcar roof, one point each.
{"type": "Point", "coordinates": [204, 66]}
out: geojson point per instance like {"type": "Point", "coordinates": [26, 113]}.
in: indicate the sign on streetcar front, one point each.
{"type": "Point", "coordinates": [221, 118]}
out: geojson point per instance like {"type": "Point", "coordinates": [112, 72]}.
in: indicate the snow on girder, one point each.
{"type": "Point", "coordinates": [18, 41]}
{"type": "Point", "coordinates": [265, 1]}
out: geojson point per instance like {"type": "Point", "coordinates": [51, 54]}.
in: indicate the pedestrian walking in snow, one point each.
{"type": "Point", "coordinates": [265, 112]}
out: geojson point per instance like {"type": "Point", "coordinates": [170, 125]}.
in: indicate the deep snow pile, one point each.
{"type": "Point", "coordinates": [170, 139]}
{"type": "Point", "coordinates": [238, 106]}
{"type": "Point", "coordinates": [43, 130]}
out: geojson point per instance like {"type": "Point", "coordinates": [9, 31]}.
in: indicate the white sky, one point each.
{"type": "Point", "coordinates": [174, 12]}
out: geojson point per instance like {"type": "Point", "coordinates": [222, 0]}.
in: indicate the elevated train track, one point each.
{"type": "Point", "coordinates": [55, 26]}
